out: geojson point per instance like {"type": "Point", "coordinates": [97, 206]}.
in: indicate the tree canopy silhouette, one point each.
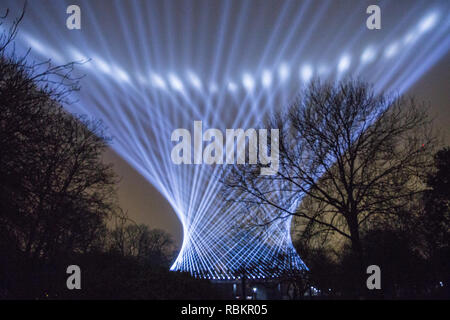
{"type": "Point", "coordinates": [55, 189]}
{"type": "Point", "coordinates": [350, 154]}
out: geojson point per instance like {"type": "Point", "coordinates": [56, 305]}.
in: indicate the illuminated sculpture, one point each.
{"type": "Point", "coordinates": [163, 65]}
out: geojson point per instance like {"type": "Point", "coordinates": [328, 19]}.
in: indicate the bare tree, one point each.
{"type": "Point", "coordinates": [351, 155]}
{"type": "Point", "coordinates": [55, 190]}
{"type": "Point", "coordinates": [138, 240]}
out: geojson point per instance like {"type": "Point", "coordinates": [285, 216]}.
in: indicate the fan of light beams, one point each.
{"type": "Point", "coordinates": [159, 65]}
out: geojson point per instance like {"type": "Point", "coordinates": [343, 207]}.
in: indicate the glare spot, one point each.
{"type": "Point", "coordinates": [101, 65]}
{"type": "Point", "coordinates": [391, 50]}
{"type": "Point", "coordinates": [248, 82]}
{"type": "Point", "coordinates": [35, 45]}
{"type": "Point", "coordinates": [121, 75]}
{"type": "Point", "coordinates": [194, 79]}
{"type": "Point", "coordinates": [283, 72]}
{"type": "Point", "coordinates": [266, 78]}
{"type": "Point", "coordinates": [157, 81]}
{"type": "Point", "coordinates": [175, 82]}
{"type": "Point", "coordinates": [232, 87]}
{"type": "Point", "coordinates": [368, 55]}
{"type": "Point", "coordinates": [41, 49]}
{"type": "Point", "coordinates": [344, 63]}
{"type": "Point", "coordinates": [410, 38]}
{"type": "Point", "coordinates": [306, 73]}
{"type": "Point", "coordinates": [78, 56]}
{"type": "Point", "coordinates": [428, 22]}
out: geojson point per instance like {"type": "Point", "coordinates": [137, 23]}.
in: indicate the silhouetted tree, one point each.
{"type": "Point", "coordinates": [356, 154]}
{"type": "Point", "coordinates": [57, 198]}
{"type": "Point", "coordinates": [55, 189]}
{"type": "Point", "coordinates": [138, 240]}
{"type": "Point", "coordinates": [324, 269]}
{"type": "Point", "coordinates": [435, 222]}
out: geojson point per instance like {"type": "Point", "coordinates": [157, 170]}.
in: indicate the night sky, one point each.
{"type": "Point", "coordinates": [219, 45]}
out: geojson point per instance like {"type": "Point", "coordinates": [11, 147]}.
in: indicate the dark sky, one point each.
{"type": "Point", "coordinates": [142, 201]}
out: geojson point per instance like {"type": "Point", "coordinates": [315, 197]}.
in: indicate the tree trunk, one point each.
{"type": "Point", "coordinates": [358, 253]}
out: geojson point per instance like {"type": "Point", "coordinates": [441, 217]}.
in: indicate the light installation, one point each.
{"type": "Point", "coordinates": [157, 66]}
